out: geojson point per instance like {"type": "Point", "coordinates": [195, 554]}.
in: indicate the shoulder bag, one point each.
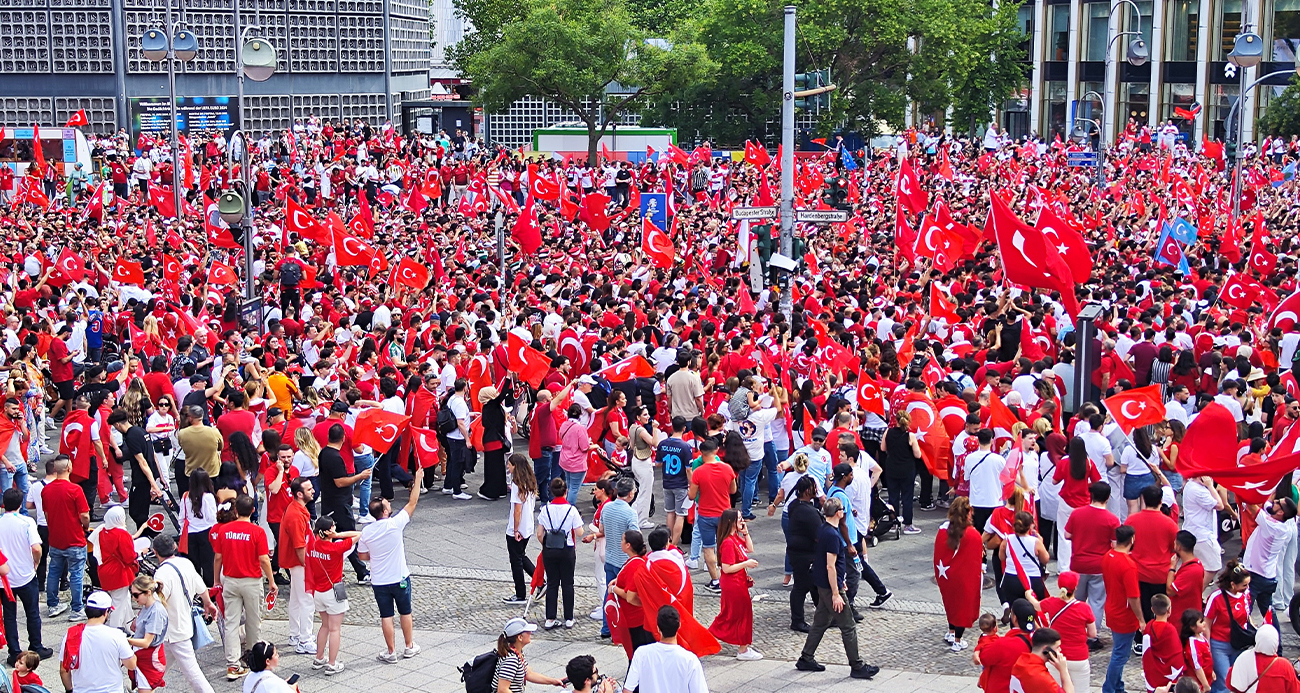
{"type": "Point", "coordinates": [201, 637]}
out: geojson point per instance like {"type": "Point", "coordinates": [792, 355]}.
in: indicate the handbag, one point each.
{"type": "Point", "coordinates": [201, 637]}
{"type": "Point", "coordinates": [1239, 637]}
{"type": "Point", "coordinates": [340, 588]}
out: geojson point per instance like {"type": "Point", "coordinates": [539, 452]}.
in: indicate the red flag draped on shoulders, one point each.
{"type": "Point", "coordinates": [75, 442]}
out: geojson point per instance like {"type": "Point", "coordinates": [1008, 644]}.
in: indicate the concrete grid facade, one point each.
{"type": "Point", "coordinates": [336, 58]}
{"type": "Point", "coordinates": [1188, 41]}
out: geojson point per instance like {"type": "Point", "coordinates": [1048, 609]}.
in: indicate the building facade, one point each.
{"type": "Point", "coordinates": [1188, 42]}
{"type": "Point", "coordinates": [336, 59]}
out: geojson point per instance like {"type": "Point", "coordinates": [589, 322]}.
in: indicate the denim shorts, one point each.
{"type": "Point", "coordinates": [1133, 485]}
{"type": "Point", "coordinates": [393, 596]}
{"type": "Point", "coordinates": [708, 527]}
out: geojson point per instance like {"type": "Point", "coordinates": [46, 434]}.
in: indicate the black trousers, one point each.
{"type": "Point", "coordinates": [44, 531]}
{"type": "Point", "coordinates": [343, 522]}
{"type": "Point", "coordinates": [384, 471]}
{"type": "Point", "coordinates": [202, 555]}
{"type": "Point", "coordinates": [494, 474]}
{"type": "Point", "coordinates": [521, 567]}
{"type": "Point", "coordinates": [90, 486]}
{"type": "Point", "coordinates": [1147, 590]}
{"type": "Point", "coordinates": [456, 452]}
{"type": "Point", "coordinates": [275, 553]}
{"type": "Point", "coordinates": [31, 600]}
{"type": "Point", "coordinates": [802, 586]}
{"type": "Point", "coordinates": [138, 503]}
{"type": "Point", "coordinates": [559, 564]}
{"type": "Point", "coordinates": [182, 481]}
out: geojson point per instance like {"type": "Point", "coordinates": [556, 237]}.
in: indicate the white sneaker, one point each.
{"type": "Point", "coordinates": [568, 624]}
{"type": "Point", "coordinates": [77, 617]}
{"type": "Point", "coordinates": [424, 491]}
{"type": "Point", "coordinates": [305, 648]}
{"type": "Point", "coordinates": [750, 655]}
{"type": "Point", "coordinates": [950, 638]}
{"type": "Point", "coordinates": [596, 615]}
{"type": "Point", "coordinates": [387, 657]}
{"type": "Point", "coordinates": [411, 651]}
{"type": "Point", "coordinates": [463, 496]}
{"type": "Point", "coordinates": [957, 646]}
{"type": "Point", "coordinates": [648, 525]}
{"type": "Point", "coordinates": [332, 669]}
{"type": "Point", "coordinates": [692, 564]}
{"type": "Point", "coordinates": [319, 663]}
{"type": "Point", "coordinates": [445, 492]}
{"type": "Point", "coordinates": [56, 610]}
{"type": "Point", "coordinates": [365, 519]}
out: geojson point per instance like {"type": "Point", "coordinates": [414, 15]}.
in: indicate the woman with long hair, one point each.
{"type": "Point", "coordinates": [519, 524]}
{"type": "Point", "coordinates": [641, 453]}
{"type": "Point", "coordinates": [304, 460]}
{"type": "Point", "coordinates": [513, 673]}
{"type": "Point", "coordinates": [1171, 434]}
{"type": "Point", "coordinates": [135, 401]}
{"type": "Point", "coordinates": [1184, 372]}
{"type": "Point", "coordinates": [735, 622]}
{"type": "Point", "coordinates": [1194, 634]}
{"type": "Point", "coordinates": [999, 527]}
{"type": "Point", "coordinates": [248, 463]}
{"type": "Point", "coordinates": [161, 427]}
{"type": "Point", "coordinates": [902, 451]}
{"type": "Point", "coordinates": [198, 516]}
{"type": "Point", "coordinates": [1075, 472]}
{"type": "Point", "coordinates": [615, 417]}
{"type": "Point", "coordinates": [958, 570]}
{"type": "Point", "coordinates": [496, 440]}
{"type": "Point", "coordinates": [1162, 368]}
{"type": "Point", "coordinates": [1023, 559]}
{"type": "Point", "coordinates": [1077, 625]}
{"type": "Point", "coordinates": [624, 588]}
{"type": "Point", "coordinates": [1230, 602]}
{"type": "Point", "coordinates": [262, 659]}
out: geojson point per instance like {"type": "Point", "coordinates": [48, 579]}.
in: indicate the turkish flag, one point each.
{"type": "Point", "coordinates": [905, 237]}
{"type": "Point", "coordinates": [70, 266]}
{"type": "Point", "coordinates": [221, 274]}
{"type": "Point", "coordinates": [425, 444]}
{"type": "Point", "coordinates": [756, 154]}
{"type": "Point", "coordinates": [634, 366]}
{"type": "Point", "coordinates": [37, 151]}
{"type": "Point", "coordinates": [765, 198]}
{"type": "Point", "coordinates": [415, 200]}
{"type": "Point", "coordinates": [128, 272]}
{"type": "Point", "coordinates": [300, 221]}
{"type": "Point", "coordinates": [593, 211]}
{"type": "Point", "coordinates": [909, 191]}
{"type": "Point", "coordinates": [678, 156]}
{"type": "Point", "coordinates": [350, 251]}
{"type": "Point", "coordinates": [359, 226]}
{"type": "Point", "coordinates": [525, 231]}
{"type": "Point", "coordinates": [161, 199]}
{"type": "Point", "coordinates": [1262, 261]}
{"type": "Point", "coordinates": [1028, 257]}
{"type": "Point", "coordinates": [78, 120]}
{"type": "Point", "coordinates": [95, 204]}
{"type": "Point", "coordinates": [1287, 314]}
{"type": "Point", "coordinates": [1001, 420]}
{"type": "Point", "coordinates": [941, 307]}
{"type": "Point", "coordinates": [958, 573]}
{"type": "Point", "coordinates": [744, 303]}
{"type": "Point", "coordinates": [379, 429]}
{"type": "Point", "coordinates": [171, 268]}
{"type": "Point", "coordinates": [410, 273]}
{"type": "Point", "coordinates": [528, 363]}
{"type": "Point", "coordinates": [1253, 483]}
{"type": "Point", "coordinates": [870, 398]}
{"type": "Point", "coordinates": [1135, 408]}
{"type": "Point", "coordinates": [216, 228]}
{"type": "Point", "coordinates": [656, 244]}
{"type": "Point", "coordinates": [506, 199]}
{"type": "Point", "coordinates": [1210, 441]}
{"type": "Point", "coordinates": [941, 239]}
{"type": "Point", "coordinates": [542, 187]}
{"type": "Point", "coordinates": [1239, 291]}
{"type": "Point", "coordinates": [1068, 242]}
{"type": "Point", "coordinates": [936, 447]}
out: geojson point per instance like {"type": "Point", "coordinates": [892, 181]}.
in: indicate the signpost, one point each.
{"type": "Point", "coordinates": [821, 216]}
{"type": "Point", "coordinates": [1082, 159]}
{"type": "Point", "coordinates": [752, 213]}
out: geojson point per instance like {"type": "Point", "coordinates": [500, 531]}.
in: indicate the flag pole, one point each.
{"type": "Point", "coordinates": [787, 160]}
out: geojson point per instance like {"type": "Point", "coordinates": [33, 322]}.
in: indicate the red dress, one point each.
{"type": "Point", "coordinates": [735, 622]}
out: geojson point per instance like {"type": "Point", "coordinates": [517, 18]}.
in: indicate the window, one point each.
{"type": "Point", "coordinates": [1222, 97]}
{"type": "Point", "coordinates": [1177, 96]}
{"type": "Point", "coordinates": [1180, 32]}
{"type": "Point", "coordinates": [1135, 99]}
{"type": "Point", "coordinates": [1089, 105]}
{"type": "Point", "coordinates": [1286, 30]}
{"type": "Point", "coordinates": [1229, 23]}
{"type": "Point", "coordinates": [1094, 31]}
{"type": "Point", "coordinates": [1054, 108]}
{"type": "Point", "coordinates": [1058, 22]}
{"type": "Point", "coordinates": [1130, 21]}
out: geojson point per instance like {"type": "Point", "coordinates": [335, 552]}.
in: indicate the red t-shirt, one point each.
{"type": "Point", "coordinates": [231, 422]}
{"type": "Point", "coordinates": [1153, 543]}
{"type": "Point", "coordinates": [241, 544]}
{"type": "Point", "coordinates": [1031, 675]}
{"type": "Point", "coordinates": [322, 435]}
{"type": "Point", "coordinates": [277, 502]}
{"type": "Point", "coordinates": [632, 615]}
{"type": "Point", "coordinates": [1217, 616]}
{"type": "Point", "coordinates": [1119, 573]}
{"type": "Point", "coordinates": [1186, 591]}
{"type": "Point", "coordinates": [325, 563]}
{"type": "Point", "coordinates": [1075, 491]}
{"type": "Point", "coordinates": [1091, 531]}
{"type": "Point", "coordinates": [64, 502]}
{"type": "Point", "coordinates": [59, 372]}
{"type": "Point", "coordinates": [1071, 620]}
{"type": "Point", "coordinates": [999, 657]}
{"type": "Point", "coordinates": [714, 480]}
{"type": "Point", "coordinates": [295, 532]}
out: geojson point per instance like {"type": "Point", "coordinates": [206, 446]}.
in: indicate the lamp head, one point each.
{"type": "Point", "coordinates": [153, 45]}
{"type": "Point", "coordinates": [1137, 53]}
{"type": "Point", "coordinates": [1247, 50]}
{"type": "Point", "coordinates": [231, 207]}
{"type": "Point", "coordinates": [259, 60]}
{"type": "Point", "coordinates": [186, 45]}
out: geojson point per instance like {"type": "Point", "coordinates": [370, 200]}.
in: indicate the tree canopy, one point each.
{"type": "Point", "coordinates": [1282, 117]}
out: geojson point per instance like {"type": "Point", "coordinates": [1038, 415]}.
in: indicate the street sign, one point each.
{"type": "Point", "coordinates": [753, 213]}
{"type": "Point", "coordinates": [821, 216]}
{"type": "Point", "coordinates": [251, 314]}
{"type": "Point", "coordinates": [1082, 159]}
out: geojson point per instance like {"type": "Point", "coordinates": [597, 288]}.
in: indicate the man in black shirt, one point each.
{"type": "Point", "coordinates": [828, 575]}
{"type": "Point", "coordinates": [138, 450]}
{"type": "Point", "coordinates": [336, 491]}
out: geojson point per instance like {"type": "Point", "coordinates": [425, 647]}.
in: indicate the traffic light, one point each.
{"type": "Point", "coordinates": [804, 81]}
{"type": "Point", "coordinates": [765, 240]}
{"type": "Point", "coordinates": [1230, 150]}
{"type": "Point", "coordinates": [838, 197]}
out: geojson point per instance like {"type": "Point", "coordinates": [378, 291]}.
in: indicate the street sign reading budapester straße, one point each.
{"type": "Point", "coordinates": [753, 213]}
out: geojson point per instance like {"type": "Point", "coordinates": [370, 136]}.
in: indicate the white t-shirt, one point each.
{"type": "Point", "coordinates": [34, 498]}
{"type": "Point", "coordinates": [204, 521]}
{"type": "Point", "coordinates": [383, 540]}
{"type": "Point", "coordinates": [17, 537]}
{"type": "Point", "coordinates": [529, 503]}
{"type": "Point", "coordinates": [1266, 543]}
{"type": "Point", "coordinates": [1200, 511]}
{"type": "Point", "coordinates": [266, 681]}
{"type": "Point", "coordinates": [560, 517]}
{"type": "Point", "coordinates": [660, 668]}
{"type": "Point", "coordinates": [1233, 406]}
{"type": "Point", "coordinates": [102, 651]}
{"type": "Point", "coordinates": [984, 471]}
{"type": "Point", "coordinates": [1098, 447]}
{"type": "Point", "coordinates": [461, 411]}
{"type": "Point", "coordinates": [1134, 463]}
{"type": "Point", "coordinates": [1024, 550]}
{"type": "Point", "coordinates": [178, 577]}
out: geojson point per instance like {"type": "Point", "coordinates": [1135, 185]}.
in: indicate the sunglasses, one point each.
{"type": "Point", "coordinates": [137, 595]}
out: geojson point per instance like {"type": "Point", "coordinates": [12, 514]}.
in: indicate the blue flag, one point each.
{"type": "Point", "coordinates": [1169, 251]}
{"type": "Point", "coordinates": [847, 157]}
{"type": "Point", "coordinates": [1288, 173]}
{"type": "Point", "coordinates": [1183, 230]}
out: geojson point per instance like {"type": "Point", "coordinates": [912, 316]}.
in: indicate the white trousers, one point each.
{"type": "Point", "coordinates": [300, 606]}
{"type": "Point", "coordinates": [180, 657]}
{"type": "Point", "coordinates": [645, 478]}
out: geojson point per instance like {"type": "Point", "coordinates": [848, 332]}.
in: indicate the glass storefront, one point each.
{"type": "Point", "coordinates": [1177, 96]}
{"type": "Point", "coordinates": [1221, 98]}
{"type": "Point", "coordinates": [1180, 29]}
{"type": "Point", "coordinates": [1286, 30]}
{"type": "Point", "coordinates": [1135, 99]}
{"type": "Point", "coordinates": [1228, 26]}
{"type": "Point", "coordinates": [1054, 110]}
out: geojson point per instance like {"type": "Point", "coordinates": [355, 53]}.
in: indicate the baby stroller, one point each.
{"type": "Point", "coordinates": [7, 686]}
{"type": "Point", "coordinates": [884, 522]}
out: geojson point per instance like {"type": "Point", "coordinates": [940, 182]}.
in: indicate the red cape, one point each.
{"type": "Point", "coordinates": [75, 442]}
{"type": "Point", "coordinates": [654, 594]}
{"type": "Point", "coordinates": [960, 576]}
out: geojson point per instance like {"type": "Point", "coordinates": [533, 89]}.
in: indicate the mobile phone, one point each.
{"type": "Point", "coordinates": [292, 680]}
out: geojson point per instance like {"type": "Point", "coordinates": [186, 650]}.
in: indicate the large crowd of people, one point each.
{"type": "Point", "coordinates": [976, 338]}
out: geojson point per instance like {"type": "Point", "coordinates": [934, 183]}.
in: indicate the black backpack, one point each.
{"type": "Point", "coordinates": [446, 421]}
{"type": "Point", "coordinates": [291, 274]}
{"type": "Point", "coordinates": [479, 675]}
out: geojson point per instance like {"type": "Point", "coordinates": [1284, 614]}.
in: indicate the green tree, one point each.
{"type": "Point", "coordinates": [1282, 117]}
{"type": "Point", "coordinates": [586, 56]}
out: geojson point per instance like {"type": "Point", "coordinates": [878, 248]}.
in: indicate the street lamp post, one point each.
{"type": "Point", "coordinates": [1080, 133]}
{"type": "Point", "coordinates": [1234, 122]}
{"type": "Point", "coordinates": [1136, 54]}
{"type": "Point", "coordinates": [171, 46]}
{"type": "Point", "coordinates": [1247, 52]}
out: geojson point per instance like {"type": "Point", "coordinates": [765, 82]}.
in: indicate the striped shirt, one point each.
{"type": "Point", "coordinates": [512, 668]}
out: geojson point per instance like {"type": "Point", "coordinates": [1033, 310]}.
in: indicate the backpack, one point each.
{"type": "Point", "coordinates": [556, 538]}
{"type": "Point", "coordinates": [479, 675]}
{"type": "Point", "coordinates": [290, 274]}
{"type": "Point", "coordinates": [446, 421]}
